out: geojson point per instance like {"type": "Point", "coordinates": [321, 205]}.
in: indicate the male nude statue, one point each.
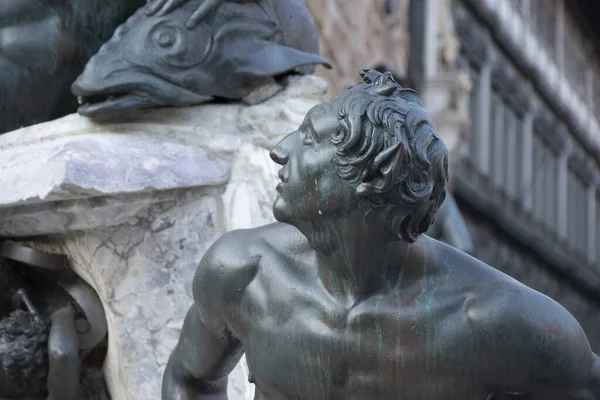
{"type": "Point", "coordinates": [344, 299]}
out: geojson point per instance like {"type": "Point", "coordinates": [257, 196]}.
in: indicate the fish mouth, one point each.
{"type": "Point", "coordinates": [102, 100]}
{"type": "Point", "coordinates": [118, 100]}
{"type": "Point", "coordinates": [104, 106]}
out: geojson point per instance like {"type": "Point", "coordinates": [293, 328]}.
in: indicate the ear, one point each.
{"type": "Point", "coordinates": [264, 59]}
{"type": "Point", "coordinates": [385, 170]}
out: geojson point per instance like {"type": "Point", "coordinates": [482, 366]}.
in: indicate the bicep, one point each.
{"type": "Point", "coordinates": [207, 351]}
{"type": "Point", "coordinates": [567, 369]}
{"type": "Point", "coordinates": [538, 348]}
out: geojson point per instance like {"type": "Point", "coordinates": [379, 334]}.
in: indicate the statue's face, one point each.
{"type": "Point", "coordinates": [310, 187]}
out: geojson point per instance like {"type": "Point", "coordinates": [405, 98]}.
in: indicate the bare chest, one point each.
{"type": "Point", "coordinates": [302, 345]}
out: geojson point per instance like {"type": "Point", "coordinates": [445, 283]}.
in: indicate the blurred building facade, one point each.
{"type": "Point", "coordinates": [514, 89]}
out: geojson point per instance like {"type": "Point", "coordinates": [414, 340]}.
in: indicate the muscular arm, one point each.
{"type": "Point", "coordinates": [201, 361]}
{"type": "Point", "coordinates": [539, 350]}
{"type": "Point", "coordinates": [207, 351]}
{"type": "Point", "coordinates": [578, 379]}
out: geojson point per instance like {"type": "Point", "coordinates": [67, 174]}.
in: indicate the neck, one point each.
{"type": "Point", "coordinates": [357, 257]}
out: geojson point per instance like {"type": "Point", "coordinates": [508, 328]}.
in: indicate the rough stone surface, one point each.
{"type": "Point", "coordinates": [357, 34]}
{"type": "Point", "coordinates": [136, 205]}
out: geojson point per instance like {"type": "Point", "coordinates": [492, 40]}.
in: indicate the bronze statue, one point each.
{"type": "Point", "coordinates": [344, 298]}
{"type": "Point", "coordinates": [241, 51]}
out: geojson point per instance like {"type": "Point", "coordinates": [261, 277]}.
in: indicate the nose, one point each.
{"type": "Point", "coordinates": [280, 154]}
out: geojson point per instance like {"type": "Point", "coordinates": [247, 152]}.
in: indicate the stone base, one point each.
{"type": "Point", "coordinates": [135, 206]}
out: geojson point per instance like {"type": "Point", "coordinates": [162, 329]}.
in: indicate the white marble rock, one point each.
{"type": "Point", "coordinates": [135, 205]}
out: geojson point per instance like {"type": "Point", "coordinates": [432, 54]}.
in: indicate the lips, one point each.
{"type": "Point", "coordinates": [282, 176]}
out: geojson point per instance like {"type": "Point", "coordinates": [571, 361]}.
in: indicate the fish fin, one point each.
{"type": "Point", "coordinates": [264, 59]}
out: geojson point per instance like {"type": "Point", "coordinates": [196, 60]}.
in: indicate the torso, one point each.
{"type": "Point", "coordinates": [301, 342]}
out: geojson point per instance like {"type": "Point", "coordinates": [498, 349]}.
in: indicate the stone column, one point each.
{"type": "Point", "coordinates": [482, 119]}
{"type": "Point", "coordinates": [562, 187]}
{"type": "Point", "coordinates": [560, 35]}
{"type": "Point", "coordinates": [430, 44]}
{"type": "Point", "coordinates": [591, 221]}
{"type": "Point", "coordinates": [527, 156]}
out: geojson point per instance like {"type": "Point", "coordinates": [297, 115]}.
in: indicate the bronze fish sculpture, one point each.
{"type": "Point", "coordinates": [157, 61]}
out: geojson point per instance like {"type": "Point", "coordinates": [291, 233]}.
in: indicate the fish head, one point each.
{"type": "Point", "coordinates": [157, 61]}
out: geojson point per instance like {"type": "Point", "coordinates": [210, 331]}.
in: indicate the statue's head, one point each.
{"type": "Point", "coordinates": [23, 355]}
{"type": "Point", "coordinates": [371, 150]}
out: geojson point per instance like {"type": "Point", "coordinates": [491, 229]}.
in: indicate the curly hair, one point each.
{"type": "Point", "coordinates": [388, 145]}
{"type": "Point", "coordinates": [24, 351]}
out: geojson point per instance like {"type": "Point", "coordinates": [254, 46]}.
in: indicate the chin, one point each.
{"type": "Point", "coordinates": [279, 210]}
{"type": "Point", "coordinates": [282, 211]}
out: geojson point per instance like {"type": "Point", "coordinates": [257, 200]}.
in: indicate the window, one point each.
{"type": "Point", "coordinates": [497, 148]}
{"type": "Point", "coordinates": [544, 184]}
{"type": "Point", "coordinates": [470, 147]}
{"type": "Point", "coordinates": [551, 191]}
{"type": "Point", "coordinates": [506, 150]}
{"type": "Point", "coordinates": [537, 184]}
{"type": "Point", "coordinates": [513, 144]}
{"type": "Point", "coordinates": [517, 157]}
{"type": "Point", "coordinates": [576, 213]}
{"type": "Point", "coordinates": [596, 89]}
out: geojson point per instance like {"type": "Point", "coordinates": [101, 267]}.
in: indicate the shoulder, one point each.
{"type": "Point", "coordinates": [233, 261]}
{"type": "Point", "coordinates": [513, 323]}
{"type": "Point", "coordinates": [508, 304]}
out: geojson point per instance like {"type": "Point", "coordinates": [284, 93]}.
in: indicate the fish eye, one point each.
{"type": "Point", "coordinates": [173, 44]}
{"type": "Point", "coordinates": [165, 37]}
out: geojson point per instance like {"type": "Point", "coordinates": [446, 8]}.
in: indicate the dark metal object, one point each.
{"type": "Point", "coordinates": [91, 305]}
{"type": "Point", "coordinates": [23, 355]}
{"type": "Point", "coordinates": [84, 296]}
{"type": "Point", "coordinates": [40, 352]}
{"type": "Point", "coordinates": [64, 369]}
{"type": "Point", "coordinates": [237, 49]}
{"type": "Point", "coordinates": [27, 255]}
{"type": "Point", "coordinates": [344, 298]}
{"type": "Point", "coordinates": [21, 299]}
{"type": "Point", "coordinates": [44, 45]}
